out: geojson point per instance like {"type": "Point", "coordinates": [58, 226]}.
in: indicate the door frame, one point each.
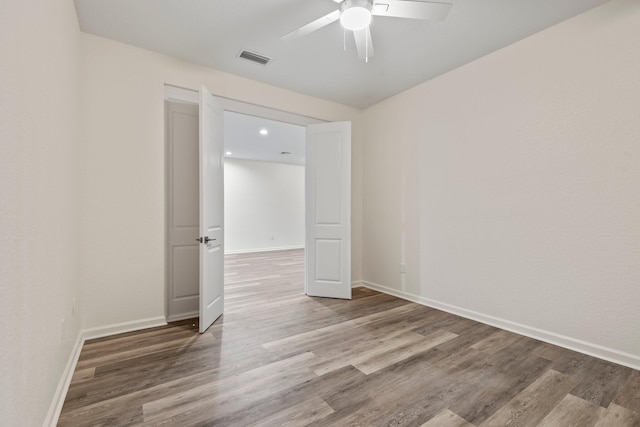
{"type": "Point", "coordinates": [179, 94]}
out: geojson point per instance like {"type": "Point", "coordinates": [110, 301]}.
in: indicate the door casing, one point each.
{"type": "Point", "coordinates": [179, 94]}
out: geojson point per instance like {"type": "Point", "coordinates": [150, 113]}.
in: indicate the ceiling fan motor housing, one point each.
{"type": "Point", "coordinates": [355, 14]}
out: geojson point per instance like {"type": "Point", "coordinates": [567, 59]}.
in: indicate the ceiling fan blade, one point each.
{"type": "Point", "coordinates": [411, 9]}
{"type": "Point", "coordinates": [364, 44]}
{"type": "Point", "coordinates": [313, 26]}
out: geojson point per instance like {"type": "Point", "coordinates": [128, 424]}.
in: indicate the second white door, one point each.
{"type": "Point", "coordinates": [328, 206]}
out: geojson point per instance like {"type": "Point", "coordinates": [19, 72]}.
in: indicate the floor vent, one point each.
{"type": "Point", "coordinates": [254, 57]}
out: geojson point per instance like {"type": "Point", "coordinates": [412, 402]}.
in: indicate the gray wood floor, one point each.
{"type": "Point", "coordinates": [279, 358]}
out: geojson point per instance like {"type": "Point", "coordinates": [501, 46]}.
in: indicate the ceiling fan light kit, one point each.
{"type": "Point", "coordinates": [356, 15]}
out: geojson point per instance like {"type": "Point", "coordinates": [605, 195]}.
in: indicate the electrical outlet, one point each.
{"type": "Point", "coordinates": [403, 268]}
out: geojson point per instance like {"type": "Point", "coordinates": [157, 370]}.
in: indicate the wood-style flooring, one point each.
{"type": "Point", "coordinates": [280, 358]}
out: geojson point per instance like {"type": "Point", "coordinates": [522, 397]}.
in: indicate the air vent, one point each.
{"type": "Point", "coordinates": [254, 57]}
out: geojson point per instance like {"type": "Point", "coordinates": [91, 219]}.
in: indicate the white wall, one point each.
{"type": "Point", "coordinates": [39, 203]}
{"type": "Point", "coordinates": [515, 182]}
{"type": "Point", "coordinates": [123, 178]}
{"type": "Point", "coordinates": [263, 206]}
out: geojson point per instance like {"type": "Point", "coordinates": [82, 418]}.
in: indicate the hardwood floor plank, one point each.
{"type": "Point", "coordinates": [161, 334]}
{"type": "Point", "coordinates": [297, 415]}
{"type": "Point", "coordinates": [331, 329]}
{"type": "Point", "coordinates": [484, 398]}
{"type": "Point", "coordinates": [412, 392]}
{"type": "Point", "coordinates": [163, 366]}
{"type": "Point", "coordinates": [328, 388]}
{"type": "Point", "coordinates": [265, 379]}
{"type": "Point", "coordinates": [278, 357]}
{"type": "Point", "coordinates": [357, 351]}
{"type": "Point", "coordinates": [375, 362]}
{"type": "Point", "coordinates": [83, 374]}
{"type": "Point", "coordinates": [446, 418]}
{"type": "Point", "coordinates": [172, 343]}
{"type": "Point", "coordinates": [495, 342]}
{"type": "Point", "coordinates": [573, 412]}
{"type": "Point", "coordinates": [114, 408]}
{"type": "Point", "coordinates": [531, 405]}
{"type": "Point", "coordinates": [617, 416]}
{"type": "Point", "coordinates": [604, 380]}
{"type": "Point", "coordinates": [629, 394]}
{"type": "Point", "coordinates": [513, 354]}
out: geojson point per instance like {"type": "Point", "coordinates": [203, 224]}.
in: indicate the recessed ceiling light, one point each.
{"type": "Point", "coordinates": [263, 131]}
{"type": "Point", "coordinates": [228, 153]}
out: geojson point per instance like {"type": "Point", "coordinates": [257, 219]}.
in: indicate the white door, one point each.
{"type": "Point", "coordinates": [328, 210]}
{"type": "Point", "coordinates": [183, 253]}
{"type": "Point", "coordinates": [211, 210]}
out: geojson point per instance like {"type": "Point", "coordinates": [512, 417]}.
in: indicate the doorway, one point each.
{"type": "Point", "coordinates": [264, 176]}
{"type": "Point", "coordinates": [327, 186]}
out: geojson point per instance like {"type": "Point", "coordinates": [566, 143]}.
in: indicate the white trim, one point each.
{"type": "Point", "coordinates": [357, 284]}
{"type": "Point", "coordinates": [119, 328]}
{"type": "Point", "coordinates": [191, 96]}
{"type": "Point", "coordinates": [178, 94]}
{"type": "Point", "coordinates": [63, 385]}
{"type": "Point", "coordinates": [590, 349]}
{"type": "Point", "coordinates": [250, 251]}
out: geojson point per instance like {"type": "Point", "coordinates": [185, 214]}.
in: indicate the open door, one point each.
{"type": "Point", "coordinates": [211, 210]}
{"type": "Point", "coordinates": [328, 210]}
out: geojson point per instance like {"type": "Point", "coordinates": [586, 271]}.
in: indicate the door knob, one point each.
{"type": "Point", "coordinates": [205, 238]}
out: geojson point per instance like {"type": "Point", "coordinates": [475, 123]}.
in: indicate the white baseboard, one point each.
{"type": "Point", "coordinates": [357, 284]}
{"type": "Point", "coordinates": [65, 380]}
{"type": "Point", "coordinates": [63, 385]}
{"type": "Point", "coordinates": [252, 250]}
{"type": "Point", "coordinates": [591, 349]}
{"type": "Point", "coordinates": [119, 328]}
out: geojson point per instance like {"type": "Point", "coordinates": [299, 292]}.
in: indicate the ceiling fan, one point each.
{"type": "Point", "coordinates": [355, 15]}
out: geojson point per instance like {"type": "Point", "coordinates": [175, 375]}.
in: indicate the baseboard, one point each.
{"type": "Point", "coordinates": [357, 284]}
{"type": "Point", "coordinates": [63, 385]}
{"type": "Point", "coordinates": [591, 349]}
{"type": "Point", "coordinates": [249, 251]}
{"type": "Point", "coordinates": [119, 328]}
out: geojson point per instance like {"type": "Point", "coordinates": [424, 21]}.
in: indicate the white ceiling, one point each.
{"type": "Point", "coordinates": [407, 52]}
{"type": "Point", "coordinates": [243, 140]}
